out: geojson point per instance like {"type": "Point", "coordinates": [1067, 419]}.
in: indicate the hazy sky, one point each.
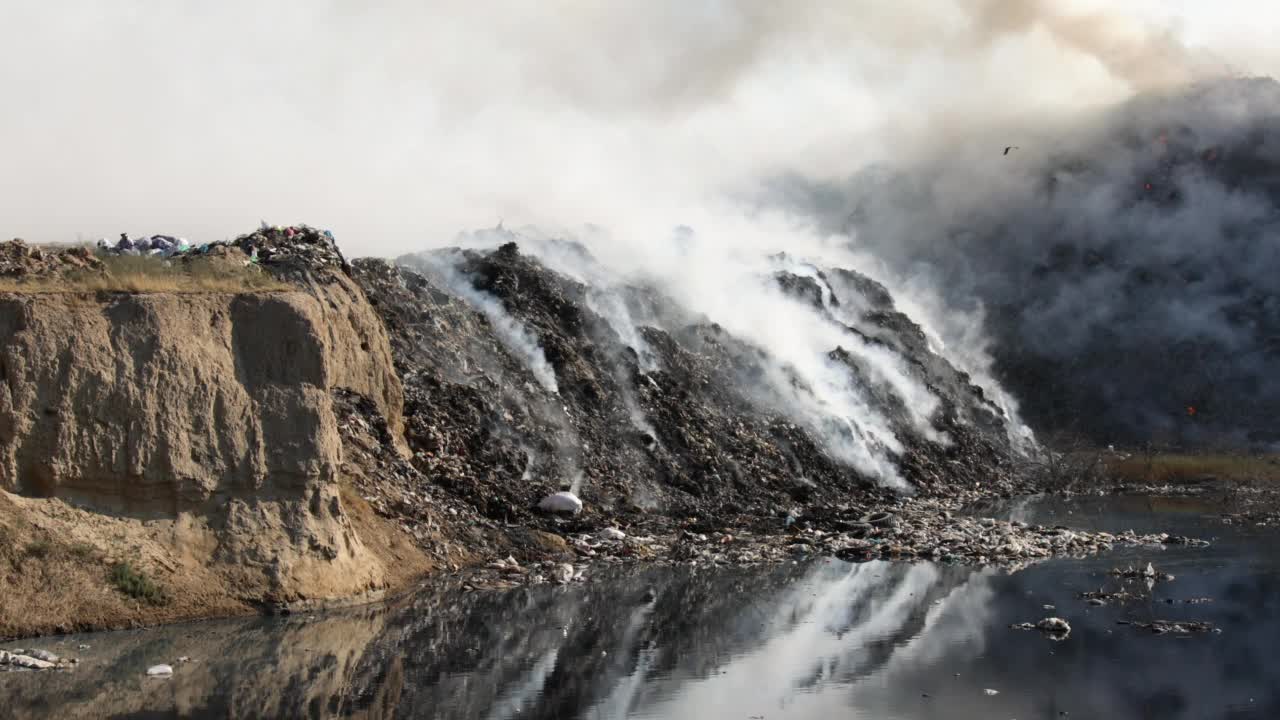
{"type": "Point", "coordinates": [397, 123]}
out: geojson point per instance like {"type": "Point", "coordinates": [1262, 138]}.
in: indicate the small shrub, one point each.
{"type": "Point", "coordinates": [39, 549]}
{"type": "Point", "coordinates": [136, 584]}
{"type": "Point", "coordinates": [82, 551]}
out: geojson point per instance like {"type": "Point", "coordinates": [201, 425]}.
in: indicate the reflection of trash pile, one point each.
{"type": "Point", "coordinates": [20, 260]}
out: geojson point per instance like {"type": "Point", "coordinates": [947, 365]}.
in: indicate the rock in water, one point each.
{"type": "Point", "coordinates": [563, 502]}
{"type": "Point", "coordinates": [160, 671]}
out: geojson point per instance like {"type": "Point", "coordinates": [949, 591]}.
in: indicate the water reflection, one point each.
{"type": "Point", "coordinates": [823, 640]}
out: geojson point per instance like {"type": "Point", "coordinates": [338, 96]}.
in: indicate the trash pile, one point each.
{"type": "Point", "coordinates": [676, 436]}
{"type": "Point", "coordinates": [161, 245]}
{"type": "Point", "coordinates": [675, 464]}
{"type": "Point", "coordinates": [931, 529]}
{"type": "Point", "coordinates": [1176, 627]}
{"type": "Point", "coordinates": [396, 490]}
{"type": "Point", "coordinates": [295, 245]}
{"type": "Point", "coordinates": [20, 260]}
{"type": "Point", "coordinates": [1102, 597]}
{"type": "Point", "coordinates": [291, 245]}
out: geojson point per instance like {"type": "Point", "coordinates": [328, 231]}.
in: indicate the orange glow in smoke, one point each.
{"type": "Point", "coordinates": [1191, 410]}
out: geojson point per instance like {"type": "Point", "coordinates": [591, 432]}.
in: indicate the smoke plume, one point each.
{"type": "Point", "coordinates": [1122, 266]}
{"type": "Point", "coordinates": [397, 124]}
{"type": "Point", "coordinates": [515, 336]}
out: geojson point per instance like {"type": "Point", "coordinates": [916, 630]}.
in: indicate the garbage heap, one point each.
{"type": "Point", "coordinates": [292, 248]}
{"type": "Point", "coordinates": [151, 245]}
{"type": "Point", "coordinates": [289, 252]}
{"type": "Point", "coordinates": [20, 261]}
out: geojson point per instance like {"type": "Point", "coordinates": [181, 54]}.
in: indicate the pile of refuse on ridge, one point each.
{"type": "Point", "coordinates": [18, 260]}
{"type": "Point", "coordinates": [268, 244]}
{"type": "Point", "coordinates": [162, 245]}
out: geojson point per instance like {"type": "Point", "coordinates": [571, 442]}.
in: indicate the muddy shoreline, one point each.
{"type": "Point", "coordinates": [462, 646]}
{"type": "Point", "coordinates": [950, 531]}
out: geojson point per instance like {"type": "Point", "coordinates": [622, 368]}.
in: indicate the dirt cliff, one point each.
{"type": "Point", "coordinates": [194, 437]}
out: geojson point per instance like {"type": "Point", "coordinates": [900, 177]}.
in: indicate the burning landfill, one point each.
{"type": "Point", "coordinates": [658, 434]}
{"type": "Point", "coordinates": [670, 449]}
{"type": "Point", "coordinates": [557, 411]}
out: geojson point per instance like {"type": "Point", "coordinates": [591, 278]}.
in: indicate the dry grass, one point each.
{"type": "Point", "coordinates": [54, 584]}
{"type": "Point", "coordinates": [49, 587]}
{"type": "Point", "coordinates": [137, 274]}
{"type": "Point", "coordinates": [1163, 469]}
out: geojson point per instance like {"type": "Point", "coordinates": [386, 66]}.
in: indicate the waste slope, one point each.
{"type": "Point", "coordinates": [669, 417]}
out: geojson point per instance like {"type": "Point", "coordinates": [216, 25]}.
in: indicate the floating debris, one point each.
{"type": "Point", "coordinates": [28, 662]}
{"type": "Point", "coordinates": [1147, 573]}
{"type": "Point", "coordinates": [1055, 627]}
{"type": "Point", "coordinates": [1102, 597]}
{"type": "Point", "coordinates": [34, 660]}
{"type": "Point", "coordinates": [1178, 627]}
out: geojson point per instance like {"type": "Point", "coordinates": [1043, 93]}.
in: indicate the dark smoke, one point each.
{"type": "Point", "coordinates": [1127, 269]}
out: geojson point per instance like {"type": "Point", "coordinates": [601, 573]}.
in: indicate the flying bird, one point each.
{"type": "Point", "coordinates": [1011, 147]}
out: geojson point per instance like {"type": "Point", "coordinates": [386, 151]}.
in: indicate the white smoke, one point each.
{"type": "Point", "coordinates": [605, 288]}
{"type": "Point", "coordinates": [390, 121]}
{"type": "Point", "coordinates": [795, 338]}
{"type": "Point", "coordinates": [1129, 254]}
{"type": "Point", "coordinates": [513, 334]}
{"type": "Point", "coordinates": [956, 333]}
{"type": "Point", "coordinates": [397, 123]}
{"type": "Point", "coordinates": [885, 366]}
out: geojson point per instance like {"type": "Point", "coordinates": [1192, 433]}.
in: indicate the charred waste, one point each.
{"type": "Point", "coordinates": [674, 416]}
